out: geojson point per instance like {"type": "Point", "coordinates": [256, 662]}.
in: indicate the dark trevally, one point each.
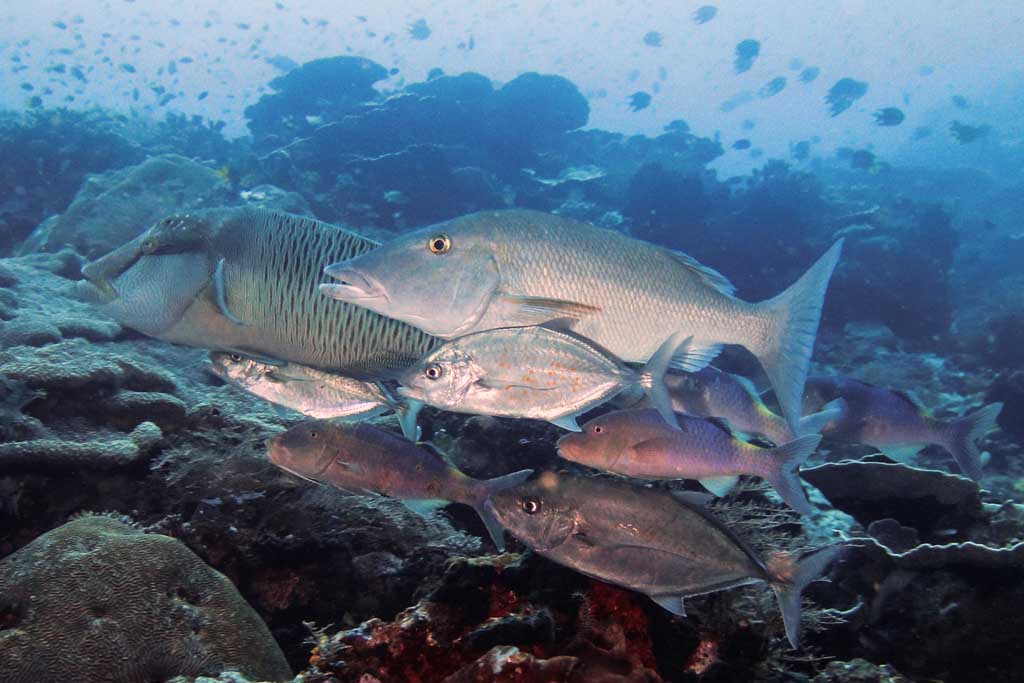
{"type": "Point", "coordinates": [638, 443]}
{"type": "Point", "coordinates": [246, 280]}
{"type": "Point", "coordinates": [312, 392]}
{"type": "Point", "coordinates": [710, 392]}
{"type": "Point", "coordinates": [649, 541]}
{"type": "Point", "coordinates": [532, 372]}
{"type": "Point", "coordinates": [364, 459]}
{"type": "Point", "coordinates": [511, 268]}
{"type": "Point", "coordinates": [895, 424]}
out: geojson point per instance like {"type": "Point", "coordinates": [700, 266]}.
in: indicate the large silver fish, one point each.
{"type": "Point", "coordinates": [531, 372]}
{"type": "Point", "coordinates": [639, 443]}
{"type": "Point", "coordinates": [312, 392]}
{"type": "Point", "coordinates": [246, 280]}
{"type": "Point", "coordinates": [364, 459]}
{"type": "Point", "coordinates": [509, 268]}
{"type": "Point", "coordinates": [649, 541]}
{"type": "Point", "coordinates": [896, 424]}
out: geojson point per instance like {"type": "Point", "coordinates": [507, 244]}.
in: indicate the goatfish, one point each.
{"type": "Point", "coordinates": [541, 373]}
{"type": "Point", "coordinates": [363, 459]}
{"type": "Point", "coordinates": [657, 543]}
{"type": "Point", "coordinates": [898, 425]}
{"type": "Point", "coordinates": [499, 269]}
{"type": "Point", "coordinates": [711, 392]}
{"type": "Point", "coordinates": [309, 391]}
{"type": "Point", "coordinates": [245, 281]}
{"type": "Point", "coordinates": [638, 443]}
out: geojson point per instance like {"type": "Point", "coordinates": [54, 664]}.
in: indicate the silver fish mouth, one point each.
{"type": "Point", "coordinates": [353, 286]}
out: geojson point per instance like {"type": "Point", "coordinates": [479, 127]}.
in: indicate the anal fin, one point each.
{"type": "Point", "coordinates": [720, 486]}
{"type": "Point", "coordinates": [672, 603]}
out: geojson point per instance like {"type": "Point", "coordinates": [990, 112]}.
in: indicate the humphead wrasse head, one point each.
{"type": "Point", "coordinates": [438, 279]}
{"type": "Point", "coordinates": [148, 283]}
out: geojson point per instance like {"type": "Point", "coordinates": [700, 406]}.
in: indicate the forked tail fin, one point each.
{"type": "Point", "coordinates": [962, 438]}
{"type": "Point", "coordinates": [794, 316]}
{"type": "Point", "coordinates": [487, 489]}
{"type": "Point", "coordinates": [784, 475]}
{"type": "Point", "coordinates": [790, 585]}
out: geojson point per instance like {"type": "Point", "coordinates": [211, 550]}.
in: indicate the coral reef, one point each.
{"type": "Point", "coordinates": [145, 608]}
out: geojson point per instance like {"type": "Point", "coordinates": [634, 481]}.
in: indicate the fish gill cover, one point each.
{"type": "Point", "coordinates": [176, 181]}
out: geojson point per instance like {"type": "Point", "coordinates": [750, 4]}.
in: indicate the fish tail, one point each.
{"type": "Point", "coordinates": [817, 422]}
{"type": "Point", "coordinates": [407, 411]}
{"type": "Point", "coordinates": [487, 489]}
{"type": "Point", "coordinates": [652, 377]}
{"type": "Point", "coordinates": [789, 583]}
{"type": "Point", "coordinates": [962, 436]}
{"type": "Point", "coordinates": [785, 353]}
{"type": "Point", "coordinates": [785, 472]}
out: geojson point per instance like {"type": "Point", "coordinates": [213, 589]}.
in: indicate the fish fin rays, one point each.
{"type": "Point", "coordinates": [793, 317]}
{"type": "Point", "coordinates": [789, 589]}
{"type": "Point", "coordinates": [708, 275]}
{"type": "Point", "coordinates": [222, 302]}
{"type": "Point", "coordinates": [695, 357]}
{"type": "Point", "coordinates": [785, 475]}
{"type": "Point", "coordinates": [816, 423]}
{"type": "Point", "coordinates": [671, 602]}
{"type": "Point", "coordinates": [966, 432]}
{"type": "Point", "coordinates": [566, 422]}
{"type": "Point", "coordinates": [535, 310]}
{"type": "Point", "coordinates": [652, 377]}
{"type": "Point", "coordinates": [720, 486]}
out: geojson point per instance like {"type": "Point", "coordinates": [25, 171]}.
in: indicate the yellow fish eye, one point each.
{"type": "Point", "coordinates": [531, 506]}
{"type": "Point", "coordinates": [440, 244]}
{"type": "Point", "coordinates": [433, 371]}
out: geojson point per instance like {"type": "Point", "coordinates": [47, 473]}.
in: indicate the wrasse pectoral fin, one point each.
{"type": "Point", "coordinates": [535, 310]}
{"type": "Point", "coordinates": [222, 302]}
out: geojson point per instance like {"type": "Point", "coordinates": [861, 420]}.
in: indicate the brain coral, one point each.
{"type": "Point", "coordinates": [97, 600]}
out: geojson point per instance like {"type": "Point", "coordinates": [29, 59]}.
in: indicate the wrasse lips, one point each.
{"type": "Point", "coordinates": [353, 285]}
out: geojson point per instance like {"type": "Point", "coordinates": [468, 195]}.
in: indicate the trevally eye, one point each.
{"type": "Point", "coordinates": [433, 371]}
{"type": "Point", "coordinates": [440, 244]}
{"type": "Point", "coordinates": [236, 357]}
{"type": "Point", "coordinates": [531, 506]}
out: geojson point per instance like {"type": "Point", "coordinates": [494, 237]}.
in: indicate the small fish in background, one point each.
{"type": "Point", "coordinates": [960, 102]}
{"type": "Point", "coordinates": [863, 160]}
{"type": "Point", "coordinates": [639, 100]}
{"type": "Point", "coordinates": [364, 459]}
{"type": "Point", "coordinates": [896, 424]}
{"type": "Point", "coordinates": [640, 444]}
{"type": "Point", "coordinates": [889, 116]}
{"type": "Point", "coordinates": [965, 134]}
{"type": "Point", "coordinates": [843, 94]}
{"type": "Point", "coordinates": [652, 39]}
{"type": "Point", "coordinates": [801, 151]}
{"type": "Point", "coordinates": [419, 30]}
{"type": "Point", "coordinates": [921, 132]}
{"type": "Point", "coordinates": [809, 74]}
{"type": "Point", "coordinates": [925, 70]}
{"type": "Point", "coordinates": [664, 545]}
{"type": "Point", "coordinates": [539, 373]}
{"type": "Point", "coordinates": [746, 52]}
{"type": "Point", "coordinates": [309, 391]}
{"type": "Point", "coordinates": [772, 87]}
{"type": "Point", "coordinates": [737, 100]}
{"type": "Point", "coordinates": [742, 143]}
{"type": "Point", "coordinates": [704, 14]}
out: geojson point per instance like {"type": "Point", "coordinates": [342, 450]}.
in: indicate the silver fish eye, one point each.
{"type": "Point", "coordinates": [236, 357]}
{"type": "Point", "coordinates": [440, 244]}
{"type": "Point", "coordinates": [433, 371]}
{"type": "Point", "coordinates": [531, 506]}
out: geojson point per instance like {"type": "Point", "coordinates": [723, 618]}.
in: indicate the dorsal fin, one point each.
{"type": "Point", "coordinates": [910, 399]}
{"type": "Point", "coordinates": [708, 275]}
{"type": "Point", "coordinates": [721, 423]}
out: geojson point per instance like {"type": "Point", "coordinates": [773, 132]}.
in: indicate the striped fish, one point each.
{"type": "Point", "coordinates": [247, 280]}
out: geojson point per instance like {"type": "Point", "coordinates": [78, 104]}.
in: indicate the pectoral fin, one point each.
{"type": "Point", "coordinates": [535, 310]}
{"type": "Point", "coordinates": [222, 303]}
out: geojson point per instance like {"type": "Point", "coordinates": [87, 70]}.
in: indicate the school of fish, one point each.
{"type": "Point", "coordinates": [527, 315]}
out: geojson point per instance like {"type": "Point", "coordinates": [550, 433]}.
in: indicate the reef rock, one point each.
{"type": "Point", "coordinates": [97, 599]}
{"type": "Point", "coordinates": [112, 208]}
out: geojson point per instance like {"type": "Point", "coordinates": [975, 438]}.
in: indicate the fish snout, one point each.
{"type": "Point", "coordinates": [569, 446]}
{"type": "Point", "coordinates": [354, 285]}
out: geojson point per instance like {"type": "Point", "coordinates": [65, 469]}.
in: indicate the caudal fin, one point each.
{"type": "Point", "coordinates": [489, 488]}
{"type": "Point", "coordinates": [790, 586]}
{"type": "Point", "coordinates": [784, 476]}
{"type": "Point", "coordinates": [652, 377]}
{"type": "Point", "coordinates": [963, 436]}
{"type": "Point", "coordinates": [815, 423]}
{"type": "Point", "coordinates": [794, 316]}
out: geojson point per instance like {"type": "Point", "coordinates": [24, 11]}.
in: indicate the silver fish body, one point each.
{"type": "Point", "coordinates": [507, 268]}
{"type": "Point", "coordinates": [638, 443]}
{"type": "Point", "coordinates": [649, 541]}
{"type": "Point", "coordinates": [529, 372]}
{"type": "Point", "coordinates": [246, 280]}
{"type": "Point", "coordinates": [362, 458]}
{"type": "Point", "coordinates": [896, 424]}
{"type": "Point", "coordinates": [306, 390]}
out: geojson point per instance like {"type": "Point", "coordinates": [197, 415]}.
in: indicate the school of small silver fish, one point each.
{"type": "Point", "coordinates": [525, 315]}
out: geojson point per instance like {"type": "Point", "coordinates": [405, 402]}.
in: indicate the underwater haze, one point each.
{"type": "Point", "coordinates": [452, 342]}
